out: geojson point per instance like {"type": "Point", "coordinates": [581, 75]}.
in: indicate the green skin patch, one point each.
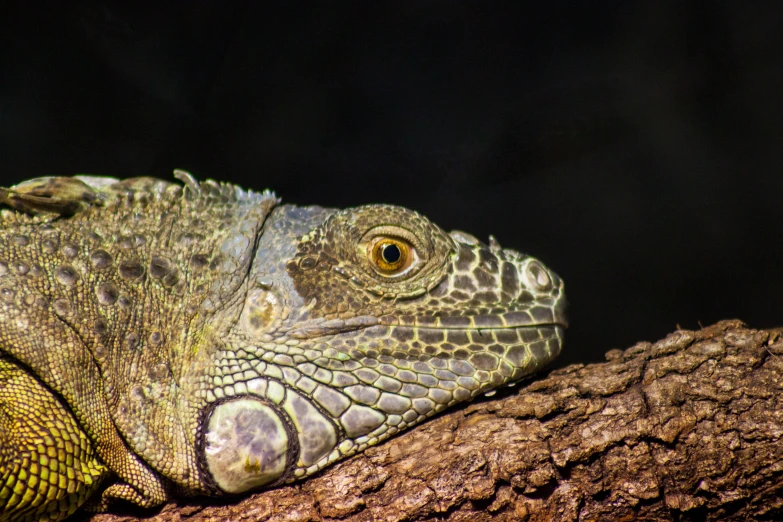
{"type": "Point", "coordinates": [212, 339]}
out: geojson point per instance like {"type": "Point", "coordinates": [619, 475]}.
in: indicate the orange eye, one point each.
{"type": "Point", "coordinates": [390, 255]}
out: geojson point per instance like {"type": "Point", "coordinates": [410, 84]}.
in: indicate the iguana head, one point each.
{"type": "Point", "coordinates": [359, 323]}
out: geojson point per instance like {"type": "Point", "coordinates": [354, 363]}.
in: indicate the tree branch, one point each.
{"type": "Point", "coordinates": [687, 428]}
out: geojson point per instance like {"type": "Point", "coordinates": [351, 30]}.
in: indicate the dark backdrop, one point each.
{"type": "Point", "coordinates": [633, 147]}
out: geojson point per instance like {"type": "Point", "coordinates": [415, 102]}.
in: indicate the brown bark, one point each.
{"type": "Point", "coordinates": [687, 428]}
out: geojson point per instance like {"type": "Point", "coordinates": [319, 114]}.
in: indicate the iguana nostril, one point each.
{"type": "Point", "coordinates": [538, 277]}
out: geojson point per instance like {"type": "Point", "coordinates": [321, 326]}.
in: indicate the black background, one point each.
{"type": "Point", "coordinates": [633, 147]}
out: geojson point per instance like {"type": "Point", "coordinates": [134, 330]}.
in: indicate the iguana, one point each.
{"type": "Point", "coordinates": [161, 339]}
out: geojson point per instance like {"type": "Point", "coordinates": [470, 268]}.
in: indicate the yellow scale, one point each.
{"type": "Point", "coordinates": [49, 468]}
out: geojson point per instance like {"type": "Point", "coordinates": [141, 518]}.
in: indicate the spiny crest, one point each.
{"type": "Point", "coordinates": [62, 196]}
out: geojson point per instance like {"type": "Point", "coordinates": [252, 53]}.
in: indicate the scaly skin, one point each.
{"type": "Point", "coordinates": [201, 339]}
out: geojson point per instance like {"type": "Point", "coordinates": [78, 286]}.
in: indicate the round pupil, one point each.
{"type": "Point", "coordinates": [391, 253]}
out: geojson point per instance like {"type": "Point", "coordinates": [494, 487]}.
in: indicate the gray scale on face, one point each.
{"type": "Point", "coordinates": [518, 355]}
{"type": "Point", "coordinates": [350, 364]}
{"type": "Point", "coordinates": [290, 375]}
{"type": "Point", "coordinates": [461, 394]}
{"type": "Point", "coordinates": [369, 362]}
{"type": "Point", "coordinates": [445, 375]}
{"type": "Point", "coordinates": [529, 335]}
{"type": "Point", "coordinates": [468, 383]}
{"type": "Point", "coordinates": [273, 371]}
{"type": "Point", "coordinates": [505, 369]}
{"type": "Point", "coordinates": [406, 376]}
{"type": "Point", "coordinates": [387, 370]}
{"type": "Point", "coordinates": [413, 390]}
{"type": "Point", "coordinates": [482, 376]}
{"type": "Point", "coordinates": [257, 387]}
{"type": "Point", "coordinates": [124, 301]}
{"type": "Point", "coordinates": [423, 406]}
{"type": "Point", "coordinates": [331, 400]}
{"type": "Point", "coordinates": [367, 375]}
{"type": "Point", "coordinates": [428, 381]}
{"type": "Point", "coordinates": [323, 376]}
{"type": "Point", "coordinates": [343, 379]}
{"type": "Point", "coordinates": [496, 379]}
{"type": "Point", "coordinates": [400, 361]}
{"type": "Point", "coordinates": [307, 369]}
{"type": "Point", "coordinates": [283, 360]}
{"type": "Point", "coordinates": [388, 384]}
{"type": "Point", "coordinates": [461, 367]}
{"type": "Point", "coordinates": [431, 336]}
{"type": "Point", "coordinates": [539, 350]}
{"type": "Point", "coordinates": [249, 374]}
{"type": "Point", "coordinates": [448, 385]}
{"type": "Point", "coordinates": [440, 395]}
{"type": "Point", "coordinates": [393, 403]}
{"type": "Point", "coordinates": [359, 420]}
{"type": "Point", "coordinates": [438, 363]}
{"type": "Point", "coordinates": [363, 394]}
{"type": "Point", "coordinates": [317, 436]}
{"type": "Point", "coordinates": [409, 417]}
{"type": "Point", "coordinates": [393, 421]}
{"type": "Point", "coordinates": [506, 337]}
{"type": "Point", "coordinates": [306, 385]}
{"type": "Point", "coordinates": [275, 392]}
{"type": "Point", "coordinates": [421, 367]}
{"type": "Point", "coordinates": [484, 361]}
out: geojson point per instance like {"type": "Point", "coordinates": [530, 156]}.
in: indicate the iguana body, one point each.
{"type": "Point", "coordinates": [160, 340]}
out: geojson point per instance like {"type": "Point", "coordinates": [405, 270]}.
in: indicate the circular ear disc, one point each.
{"type": "Point", "coordinates": [246, 445]}
{"type": "Point", "coordinates": [251, 442]}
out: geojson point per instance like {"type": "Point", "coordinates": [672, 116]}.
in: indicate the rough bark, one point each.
{"type": "Point", "coordinates": [686, 428]}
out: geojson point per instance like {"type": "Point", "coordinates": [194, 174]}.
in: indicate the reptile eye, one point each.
{"type": "Point", "coordinates": [390, 256]}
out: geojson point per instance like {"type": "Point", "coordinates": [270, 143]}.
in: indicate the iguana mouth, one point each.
{"type": "Point", "coordinates": [550, 314]}
{"type": "Point", "coordinates": [333, 327]}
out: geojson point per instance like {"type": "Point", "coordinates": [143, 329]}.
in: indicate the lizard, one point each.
{"type": "Point", "coordinates": [163, 339]}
